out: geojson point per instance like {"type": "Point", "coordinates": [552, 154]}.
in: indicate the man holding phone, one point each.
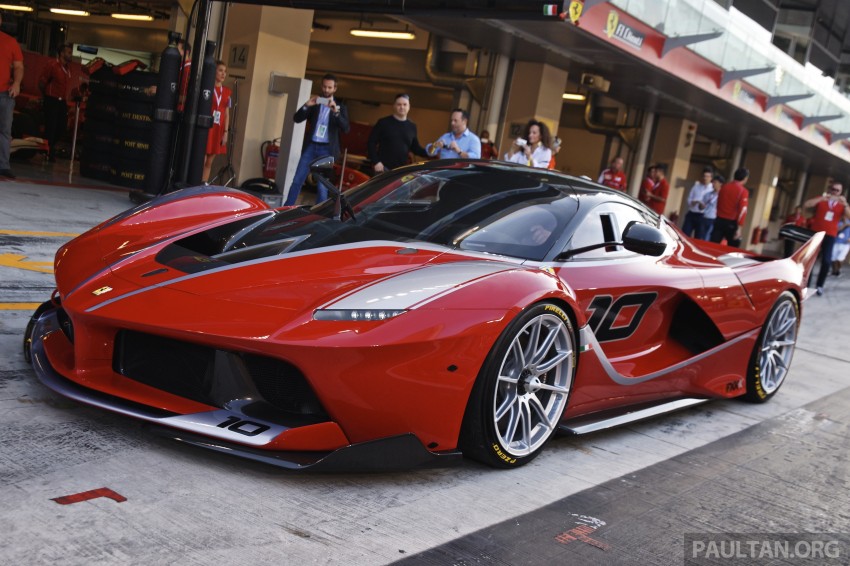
{"type": "Point", "coordinates": [459, 142]}
{"type": "Point", "coordinates": [326, 119]}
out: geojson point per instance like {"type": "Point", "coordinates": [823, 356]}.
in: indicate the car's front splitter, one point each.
{"type": "Point", "coordinates": [394, 453]}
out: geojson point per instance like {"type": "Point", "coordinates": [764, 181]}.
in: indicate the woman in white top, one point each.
{"type": "Point", "coordinates": [534, 148]}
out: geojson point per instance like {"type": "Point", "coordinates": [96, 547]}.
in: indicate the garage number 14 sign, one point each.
{"type": "Point", "coordinates": [238, 56]}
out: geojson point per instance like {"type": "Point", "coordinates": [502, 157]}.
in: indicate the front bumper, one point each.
{"type": "Point", "coordinates": [216, 429]}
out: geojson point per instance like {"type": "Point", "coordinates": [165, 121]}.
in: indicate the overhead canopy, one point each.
{"type": "Point", "coordinates": [500, 9]}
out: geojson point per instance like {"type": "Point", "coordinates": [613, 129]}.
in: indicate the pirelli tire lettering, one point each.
{"type": "Point", "coordinates": [555, 309]}
{"type": "Point", "coordinates": [522, 389]}
{"type": "Point", "coordinates": [505, 458]}
{"type": "Point", "coordinates": [774, 349]}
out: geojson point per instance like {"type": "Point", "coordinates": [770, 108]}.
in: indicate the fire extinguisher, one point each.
{"type": "Point", "coordinates": [269, 152]}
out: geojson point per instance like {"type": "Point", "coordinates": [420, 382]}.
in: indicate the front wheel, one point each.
{"type": "Point", "coordinates": [773, 352]}
{"type": "Point", "coordinates": [522, 389]}
{"type": "Point", "coordinates": [28, 337]}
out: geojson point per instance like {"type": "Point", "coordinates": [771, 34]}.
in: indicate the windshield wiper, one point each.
{"type": "Point", "coordinates": [570, 253]}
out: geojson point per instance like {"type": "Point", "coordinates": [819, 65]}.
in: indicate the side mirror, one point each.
{"type": "Point", "coordinates": [644, 239]}
{"type": "Point", "coordinates": [323, 165]}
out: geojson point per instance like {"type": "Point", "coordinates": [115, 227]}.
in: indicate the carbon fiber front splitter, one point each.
{"type": "Point", "coordinates": [394, 453]}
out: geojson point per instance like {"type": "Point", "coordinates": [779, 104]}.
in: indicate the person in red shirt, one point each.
{"type": "Point", "coordinates": [614, 176]}
{"type": "Point", "coordinates": [647, 186]}
{"type": "Point", "coordinates": [220, 130]}
{"type": "Point", "coordinates": [828, 209]}
{"type": "Point", "coordinates": [11, 75]}
{"type": "Point", "coordinates": [185, 51]}
{"type": "Point", "coordinates": [54, 83]}
{"type": "Point", "coordinates": [488, 148]}
{"type": "Point", "coordinates": [656, 197]}
{"type": "Point", "coordinates": [732, 201]}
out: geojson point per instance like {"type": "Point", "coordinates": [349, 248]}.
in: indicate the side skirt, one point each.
{"type": "Point", "coordinates": [608, 419]}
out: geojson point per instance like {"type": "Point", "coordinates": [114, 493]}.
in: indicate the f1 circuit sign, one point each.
{"type": "Point", "coordinates": [623, 32]}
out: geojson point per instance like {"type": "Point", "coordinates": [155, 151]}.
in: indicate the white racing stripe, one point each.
{"type": "Point", "coordinates": [418, 287]}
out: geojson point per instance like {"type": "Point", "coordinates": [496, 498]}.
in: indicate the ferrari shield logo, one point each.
{"type": "Point", "coordinates": [206, 94]}
{"type": "Point", "coordinates": [613, 20]}
{"type": "Point", "coordinates": [101, 291]}
{"type": "Point", "coordinates": [575, 11]}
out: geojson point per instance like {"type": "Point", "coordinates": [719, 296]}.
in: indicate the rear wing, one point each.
{"type": "Point", "coordinates": [796, 233]}
{"type": "Point", "coordinates": [808, 252]}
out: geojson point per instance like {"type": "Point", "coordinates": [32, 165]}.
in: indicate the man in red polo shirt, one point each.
{"type": "Point", "coordinates": [827, 209]}
{"type": "Point", "coordinates": [732, 203]}
{"type": "Point", "coordinates": [614, 176]}
{"type": "Point", "coordinates": [656, 197]}
{"type": "Point", "coordinates": [11, 75]}
{"type": "Point", "coordinates": [54, 83]}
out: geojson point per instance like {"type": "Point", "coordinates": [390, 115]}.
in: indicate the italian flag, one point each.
{"type": "Point", "coordinates": [550, 9]}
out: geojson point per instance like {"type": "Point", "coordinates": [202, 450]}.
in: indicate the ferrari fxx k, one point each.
{"type": "Point", "coordinates": [444, 309]}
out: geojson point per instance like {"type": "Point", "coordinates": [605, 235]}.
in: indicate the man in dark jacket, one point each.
{"type": "Point", "coordinates": [326, 119]}
{"type": "Point", "coordinates": [394, 137]}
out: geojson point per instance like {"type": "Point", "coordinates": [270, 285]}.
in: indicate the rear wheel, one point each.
{"type": "Point", "coordinates": [522, 390]}
{"type": "Point", "coordinates": [773, 352]}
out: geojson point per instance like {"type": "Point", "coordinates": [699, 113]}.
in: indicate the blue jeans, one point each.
{"type": "Point", "coordinates": [7, 107]}
{"type": "Point", "coordinates": [706, 225]}
{"type": "Point", "coordinates": [691, 227]}
{"type": "Point", "coordinates": [309, 154]}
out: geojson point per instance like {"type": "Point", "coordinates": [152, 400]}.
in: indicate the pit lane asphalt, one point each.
{"type": "Point", "coordinates": [625, 496]}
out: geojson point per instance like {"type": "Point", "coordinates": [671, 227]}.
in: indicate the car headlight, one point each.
{"type": "Point", "coordinates": [356, 314]}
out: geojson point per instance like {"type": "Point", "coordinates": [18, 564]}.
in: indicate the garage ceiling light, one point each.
{"type": "Point", "coordinates": [136, 17]}
{"type": "Point", "coordinates": [15, 8]}
{"type": "Point", "coordinates": [66, 12]}
{"type": "Point", "coordinates": [574, 96]}
{"type": "Point", "coordinates": [382, 33]}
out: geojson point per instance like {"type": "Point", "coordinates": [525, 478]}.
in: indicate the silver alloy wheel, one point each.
{"type": "Point", "coordinates": [777, 347]}
{"type": "Point", "coordinates": [533, 385]}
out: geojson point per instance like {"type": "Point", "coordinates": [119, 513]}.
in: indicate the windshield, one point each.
{"type": "Point", "coordinates": [487, 209]}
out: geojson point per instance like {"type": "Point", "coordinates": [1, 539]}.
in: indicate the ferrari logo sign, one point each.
{"type": "Point", "coordinates": [101, 291]}
{"type": "Point", "coordinates": [575, 11]}
{"type": "Point", "coordinates": [623, 32]}
{"type": "Point", "coordinates": [613, 20]}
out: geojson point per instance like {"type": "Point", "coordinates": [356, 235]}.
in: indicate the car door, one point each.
{"type": "Point", "coordinates": [632, 302]}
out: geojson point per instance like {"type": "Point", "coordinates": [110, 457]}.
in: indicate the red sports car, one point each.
{"type": "Point", "coordinates": [444, 309]}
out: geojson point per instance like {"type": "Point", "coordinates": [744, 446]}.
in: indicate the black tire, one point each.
{"type": "Point", "coordinates": [774, 349]}
{"type": "Point", "coordinates": [512, 390]}
{"type": "Point", "coordinates": [27, 346]}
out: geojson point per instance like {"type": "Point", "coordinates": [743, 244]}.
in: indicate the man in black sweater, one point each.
{"type": "Point", "coordinates": [393, 137]}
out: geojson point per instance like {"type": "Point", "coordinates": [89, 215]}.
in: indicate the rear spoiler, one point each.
{"type": "Point", "coordinates": [808, 252]}
{"type": "Point", "coordinates": [796, 233]}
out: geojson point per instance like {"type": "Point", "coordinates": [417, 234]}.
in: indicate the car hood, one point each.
{"type": "Point", "coordinates": [374, 275]}
{"type": "Point", "coordinates": [303, 264]}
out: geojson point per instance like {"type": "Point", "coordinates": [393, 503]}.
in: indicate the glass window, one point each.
{"type": "Point", "coordinates": [606, 223]}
